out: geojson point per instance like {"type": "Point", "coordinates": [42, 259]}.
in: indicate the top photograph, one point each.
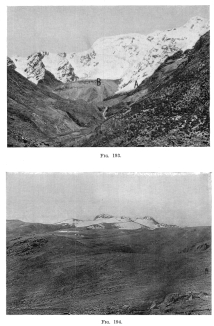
{"type": "Point", "coordinates": [108, 76]}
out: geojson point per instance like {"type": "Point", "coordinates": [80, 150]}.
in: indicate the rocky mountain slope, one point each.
{"type": "Point", "coordinates": [169, 108]}
{"type": "Point", "coordinates": [38, 117]}
{"type": "Point", "coordinates": [129, 57]}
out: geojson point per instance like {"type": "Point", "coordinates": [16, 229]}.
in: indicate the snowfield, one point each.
{"type": "Point", "coordinates": [128, 225]}
{"type": "Point", "coordinates": [67, 231]}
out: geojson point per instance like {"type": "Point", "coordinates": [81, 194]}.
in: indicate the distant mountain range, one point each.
{"type": "Point", "coordinates": [121, 222]}
{"type": "Point", "coordinates": [128, 57]}
{"type": "Point", "coordinates": [102, 221]}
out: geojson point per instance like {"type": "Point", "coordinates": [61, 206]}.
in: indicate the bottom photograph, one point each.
{"type": "Point", "coordinates": [108, 244]}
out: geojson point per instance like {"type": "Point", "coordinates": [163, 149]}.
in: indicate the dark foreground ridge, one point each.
{"type": "Point", "coordinates": [107, 271]}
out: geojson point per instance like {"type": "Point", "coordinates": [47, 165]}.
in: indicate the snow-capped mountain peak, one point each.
{"type": "Point", "coordinates": [103, 216]}
{"type": "Point", "coordinates": [120, 222]}
{"type": "Point", "coordinates": [195, 21]}
{"type": "Point", "coordinates": [129, 57]}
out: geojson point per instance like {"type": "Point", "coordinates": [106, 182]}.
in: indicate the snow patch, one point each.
{"type": "Point", "coordinates": [128, 225]}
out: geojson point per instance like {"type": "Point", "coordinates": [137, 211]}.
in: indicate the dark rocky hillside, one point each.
{"type": "Point", "coordinates": [38, 117]}
{"type": "Point", "coordinates": [107, 271]}
{"type": "Point", "coordinates": [170, 108]}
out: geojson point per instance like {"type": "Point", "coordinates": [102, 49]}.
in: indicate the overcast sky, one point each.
{"type": "Point", "coordinates": [74, 29]}
{"type": "Point", "coordinates": [182, 199]}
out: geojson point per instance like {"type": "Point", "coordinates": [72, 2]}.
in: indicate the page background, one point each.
{"type": "Point", "coordinates": [88, 160]}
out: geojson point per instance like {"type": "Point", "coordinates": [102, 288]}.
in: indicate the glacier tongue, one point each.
{"type": "Point", "coordinates": [129, 57]}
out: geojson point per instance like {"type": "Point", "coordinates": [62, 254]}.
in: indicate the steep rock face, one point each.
{"type": "Point", "coordinates": [129, 57]}
{"type": "Point", "coordinates": [10, 63]}
{"type": "Point", "coordinates": [35, 69]}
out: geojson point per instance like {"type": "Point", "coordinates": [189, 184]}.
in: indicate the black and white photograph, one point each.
{"type": "Point", "coordinates": [108, 76]}
{"type": "Point", "coordinates": [108, 244]}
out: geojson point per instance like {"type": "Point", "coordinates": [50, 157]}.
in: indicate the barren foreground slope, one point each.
{"type": "Point", "coordinates": [107, 271]}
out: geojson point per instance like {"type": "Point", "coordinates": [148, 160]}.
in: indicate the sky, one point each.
{"type": "Point", "coordinates": [181, 199]}
{"type": "Point", "coordinates": [74, 29]}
